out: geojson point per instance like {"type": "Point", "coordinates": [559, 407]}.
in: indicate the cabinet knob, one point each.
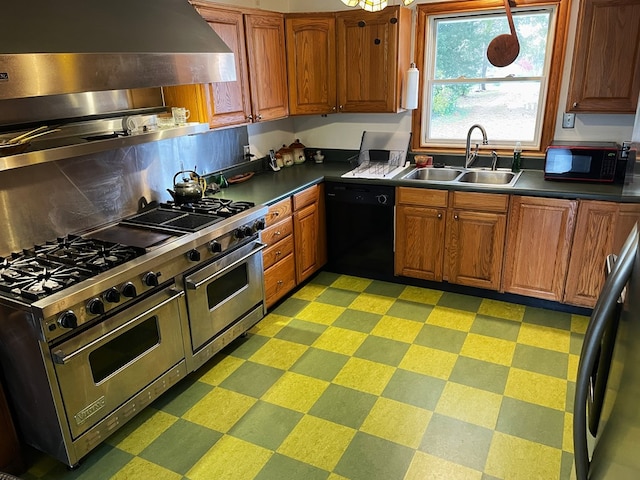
{"type": "Point", "coordinates": [259, 116]}
{"type": "Point", "coordinates": [277, 233]}
{"type": "Point", "coordinates": [333, 108]}
{"type": "Point", "coordinates": [362, 23]}
{"type": "Point", "coordinates": [250, 117]}
{"type": "Point", "coordinates": [439, 214]}
{"type": "Point", "coordinates": [340, 107]}
{"type": "Point", "coordinates": [575, 104]}
{"type": "Point", "coordinates": [278, 253]}
{"type": "Point", "coordinates": [280, 282]}
{"type": "Point", "coordinates": [455, 217]}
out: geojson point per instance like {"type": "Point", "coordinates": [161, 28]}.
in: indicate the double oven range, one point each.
{"type": "Point", "coordinates": [93, 327]}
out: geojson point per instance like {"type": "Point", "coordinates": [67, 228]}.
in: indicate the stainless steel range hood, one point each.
{"type": "Point", "coordinates": [75, 46]}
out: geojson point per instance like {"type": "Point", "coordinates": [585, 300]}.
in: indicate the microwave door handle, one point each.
{"type": "Point", "coordinates": [603, 309]}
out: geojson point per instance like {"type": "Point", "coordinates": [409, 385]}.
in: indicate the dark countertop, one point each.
{"type": "Point", "coordinates": [269, 187]}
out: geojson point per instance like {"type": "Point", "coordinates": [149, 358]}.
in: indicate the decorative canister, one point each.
{"type": "Point", "coordinates": [298, 151]}
{"type": "Point", "coordinates": [287, 156]}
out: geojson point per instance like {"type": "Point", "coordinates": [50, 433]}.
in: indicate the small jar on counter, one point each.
{"type": "Point", "coordinates": [287, 156]}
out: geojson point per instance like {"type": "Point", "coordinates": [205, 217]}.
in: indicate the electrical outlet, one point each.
{"type": "Point", "coordinates": [568, 120]}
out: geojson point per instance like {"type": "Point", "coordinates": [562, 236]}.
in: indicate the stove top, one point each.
{"type": "Point", "coordinates": [47, 268]}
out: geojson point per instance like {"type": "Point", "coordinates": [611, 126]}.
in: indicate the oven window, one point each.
{"type": "Point", "coordinates": [123, 349]}
{"type": "Point", "coordinates": [227, 285]}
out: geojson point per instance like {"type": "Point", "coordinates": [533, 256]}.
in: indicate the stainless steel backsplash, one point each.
{"type": "Point", "coordinates": [45, 201]}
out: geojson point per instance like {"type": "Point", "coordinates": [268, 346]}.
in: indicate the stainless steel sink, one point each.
{"type": "Point", "coordinates": [433, 174]}
{"type": "Point", "coordinates": [489, 177]}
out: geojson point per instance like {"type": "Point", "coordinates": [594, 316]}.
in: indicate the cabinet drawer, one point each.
{"type": "Point", "coordinates": [306, 197]}
{"type": "Point", "coordinates": [486, 202]}
{"type": "Point", "coordinates": [279, 280]}
{"type": "Point", "coordinates": [278, 211]}
{"type": "Point", "coordinates": [277, 232]}
{"type": "Point", "coordinates": [422, 196]}
{"type": "Point", "coordinates": [277, 251]}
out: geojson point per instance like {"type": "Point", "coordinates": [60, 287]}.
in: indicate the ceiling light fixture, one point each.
{"type": "Point", "coordinates": [371, 5]}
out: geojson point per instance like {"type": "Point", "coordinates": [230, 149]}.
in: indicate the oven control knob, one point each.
{"type": "Point", "coordinates": [215, 246]}
{"type": "Point", "coordinates": [248, 231]}
{"type": "Point", "coordinates": [150, 279]}
{"type": "Point", "coordinates": [95, 306]}
{"type": "Point", "coordinates": [259, 225]}
{"type": "Point", "coordinates": [193, 255]}
{"type": "Point", "coordinates": [240, 233]}
{"type": "Point", "coordinates": [129, 290]}
{"type": "Point", "coordinates": [112, 295]}
{"type": "Point", "coordinates": [68, 320]}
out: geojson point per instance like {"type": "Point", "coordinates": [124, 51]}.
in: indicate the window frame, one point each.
{"type": "Point", "coordinates": [476, 6]}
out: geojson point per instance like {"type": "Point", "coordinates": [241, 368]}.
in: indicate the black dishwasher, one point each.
{"type": "Point", "coordinates": [360, 226]}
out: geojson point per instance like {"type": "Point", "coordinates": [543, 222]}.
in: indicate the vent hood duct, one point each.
{"type": "Point", "coordinates": [75, 46]}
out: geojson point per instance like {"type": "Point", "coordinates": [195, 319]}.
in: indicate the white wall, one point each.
{"type": "Point", "coordinates": [345, 130]}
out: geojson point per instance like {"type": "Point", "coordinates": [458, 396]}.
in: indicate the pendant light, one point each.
{"type": "Point", "coordinates": [372, 5]}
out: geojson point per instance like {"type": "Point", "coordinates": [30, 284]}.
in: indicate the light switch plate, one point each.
{"type": "Point", "coordinates": [568, 120]}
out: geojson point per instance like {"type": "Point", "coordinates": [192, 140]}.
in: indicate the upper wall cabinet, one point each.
{"type": "Point", "coordinates": [311, 63]}
{"type": "Point", "coordinates": [257, 41]}
{"type": "Point", "coordinates": [373, 56]}
{"type": "Point", "coordinates": [606, 59]}
{"type": "Point", "coordinates": [352, 61]}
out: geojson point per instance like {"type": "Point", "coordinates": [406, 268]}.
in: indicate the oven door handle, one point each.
{"type": "Point", "coordinates": [193, 285]}
{"type": "Point", "coordinates": [61, 359]}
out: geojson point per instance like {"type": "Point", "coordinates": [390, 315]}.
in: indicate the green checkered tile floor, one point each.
{"type": "Point", "coordinates": [358, 379]}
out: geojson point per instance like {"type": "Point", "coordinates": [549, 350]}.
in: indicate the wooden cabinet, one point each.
{"type": "Point", "coordinates": [601, 229]}
{"type": "Point", "coordinates": [278, 257]}
{"type": "Point", "coordinates": [593, 241]}
{"type": "Point", "coordinates": [267, 65]}
{"type": "Point", "coordinates": [373, 56]}
{"type": "Point", "coordinates": [295, 236]}
{"type": "Point", "coordinates": [311, 63]}
{"type": "Point", "coordinates": [476, 228]}
{"type": "Point", "coordinates": [606, 60]}
{"type": "Point", "coordinates": [420, 230]}
{"type": "Point", "coordinates": [456, 236]}
{"type": "Point", "coordinates": [260, 89]}
{"type": "Point", "coordinates": [308, 222]}
{"type": "Point", "coordinates": [352, 61]}
{"type": "Point", "coordinates": [538, 246]}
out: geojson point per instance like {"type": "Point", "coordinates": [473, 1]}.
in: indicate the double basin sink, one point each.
{"type": "Point", "coordinates": [493, 178]}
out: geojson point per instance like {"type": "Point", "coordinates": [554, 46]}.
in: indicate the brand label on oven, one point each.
{"type": "Point", "coordinates": [89, 410]}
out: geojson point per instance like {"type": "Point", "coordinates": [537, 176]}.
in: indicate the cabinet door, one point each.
{"type": "Point", "coordinates": [305, 232]}
{"type": "Point", "coordinates": [311, 62]}
{"type": "Point", "coordinates": [538, 246]}
{"type": "Point", "coordinates": [219, 104]}
{"type": "Point", "coordinates": [420, 242]}
{"type": "Point", "coordinates": [606, 59]}
{"type": "Point", "coordinates": [267, 65]}
{"type": "Point", "coordinates": [475, 247]}
{"type": "Point", "coordinates": [593, 241]}
{"type": "Point", "coordinates": [373, 53]}
{"type": "Point", "coordinates": [628, 216]}
{"type": "Point", "coordinates": [230, 101]}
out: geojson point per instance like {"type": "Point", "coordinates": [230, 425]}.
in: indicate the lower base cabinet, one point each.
{"type": "Point", "coordinates": [295, 236]}
{"type": "Point", "coordinates": [452, 236]}
{"type": "Point", "coordinates": [601, 229]}
{"type": "Point", "coordinates": [538, 246]}
{"type": "Point", "coordinates": [10, 454]}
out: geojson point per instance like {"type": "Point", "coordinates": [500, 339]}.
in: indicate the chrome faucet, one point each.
{"type": "Point", "coordinates": [470, 156]}
{"type": "Point", "coordinates": [494, 160]}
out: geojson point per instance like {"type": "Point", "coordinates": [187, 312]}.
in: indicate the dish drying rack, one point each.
{"type": "Point", "coordinates": [378, 163]}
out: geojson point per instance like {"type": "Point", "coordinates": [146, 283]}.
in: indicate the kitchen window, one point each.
{"type": "Point", "coordinates": [461, 88]}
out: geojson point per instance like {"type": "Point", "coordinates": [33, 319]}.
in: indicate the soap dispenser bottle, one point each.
{"type": "Point", "coordinates": [517, 153]}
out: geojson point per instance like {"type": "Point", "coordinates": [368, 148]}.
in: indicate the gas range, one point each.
{"type": "Point", "coordinates": [72, 280]}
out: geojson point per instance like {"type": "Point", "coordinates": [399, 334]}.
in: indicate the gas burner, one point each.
{"type": "Point", "coordinates": [34, 278]}
{"type": "Point", "coordinates": [89, 253]}
{"type": "Point", "coordinates": [211, 206]}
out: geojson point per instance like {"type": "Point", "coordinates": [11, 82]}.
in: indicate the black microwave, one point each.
{"type": "Point", "coordinates": [585, 162]}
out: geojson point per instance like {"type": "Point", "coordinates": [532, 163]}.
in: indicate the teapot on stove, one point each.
{"type": "Point", "coordinates": [190, 190]}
